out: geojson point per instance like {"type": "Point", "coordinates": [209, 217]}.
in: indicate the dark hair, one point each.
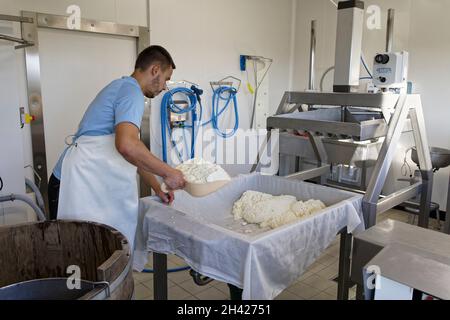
{"type": "Point", "coordinates": [154, 55]}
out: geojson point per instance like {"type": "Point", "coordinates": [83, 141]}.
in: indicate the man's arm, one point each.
{"type": "Point", "coordinates": [149, 180]}
{"type": "Point", "coordinates": [134, 151]}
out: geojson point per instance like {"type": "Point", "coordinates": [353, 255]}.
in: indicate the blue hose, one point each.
{"type": "Point", "coordinates": [168, 270]}
{"type": "Point", "coordinates": [218, 95]}
{"type": "Point", "coordinates": [168, 104]}
{"type": "Point", "coordinates": [227, 94]}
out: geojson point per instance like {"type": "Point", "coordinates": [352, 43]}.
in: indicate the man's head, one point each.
{"type": "Point", "coordinates": [153, 68]}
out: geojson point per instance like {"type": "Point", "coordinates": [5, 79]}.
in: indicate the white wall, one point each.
{"type": "Point", "coordinates": [422, 28]}
{"type": "Point", "coordinates": [121, 11]}
{"type": "Point", "coordinates": [10, 132]}
{"type": "Point", "coordinates": [206, 37]}
{"type": "Point", "coordinates": [430, 72]}
{"type": "Point", "coordinates": [326, 15]}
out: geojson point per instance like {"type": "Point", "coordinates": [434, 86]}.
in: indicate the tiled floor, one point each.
{"type": "Point", "coordinates": [315, 284]}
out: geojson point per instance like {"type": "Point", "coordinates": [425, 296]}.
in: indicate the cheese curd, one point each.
{"type": "Point", "coordinates": [198, 170]}
{"type": "Point", "coordinates": [273, 211]}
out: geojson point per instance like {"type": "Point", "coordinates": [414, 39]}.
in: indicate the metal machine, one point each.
{"type": "Point", "coordinates": [341, 127]}
{"type": "Point", "coordinates": [339, 124]}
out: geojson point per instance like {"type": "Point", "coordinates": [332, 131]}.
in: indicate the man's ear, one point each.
{"type": "Point", "coordinates": [154, 69]}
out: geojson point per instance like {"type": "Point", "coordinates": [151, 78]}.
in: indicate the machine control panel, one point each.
{"type": "Point", "coordinates": [390, 70]}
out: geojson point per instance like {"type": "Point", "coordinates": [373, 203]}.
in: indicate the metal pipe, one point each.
{"type": "Point", "coordinates": [312, 56]}
{"type": "Point", "coordinates": [390, 30]}
{"type": "Point", "coordinates": [398, 197]}
{"type": "Point", "coordinates": [39, 198]}
{"type": "Point", "coordinates": [27, 200]}
{"type": "Point", "coordinates": [13, 39]}
{"type": "Point", "coordinates": [309, 174]}
{"type": "Point", "coordinates": [6, 17]}
{"type": "Point", "coordinates": [323, 77]}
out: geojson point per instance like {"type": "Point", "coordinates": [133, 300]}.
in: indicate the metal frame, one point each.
{"type": "Point", "coordinates": [402, 107]}
{"type": "Point", "coordinates": [160, 276]}
{"type": "Point", "coordinates": [30, 34]}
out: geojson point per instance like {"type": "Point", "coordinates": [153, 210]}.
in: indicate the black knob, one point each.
{"type": "Point", "coordinates": [382, 79]}
{"type": "Point", "coordinates": [382, 58]}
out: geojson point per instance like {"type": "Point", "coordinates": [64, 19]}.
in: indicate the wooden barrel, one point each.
{"type": "Point", "coordinates": [47, 253]}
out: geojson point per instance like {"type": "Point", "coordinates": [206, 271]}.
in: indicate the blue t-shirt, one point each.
{"type": "Point", "coordinates": [120, 101]}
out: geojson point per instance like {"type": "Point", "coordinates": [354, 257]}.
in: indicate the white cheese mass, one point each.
{"type": "Point", "coordinates": [273, 211]}
{"type": "Point", "coordinates": [198, 170]}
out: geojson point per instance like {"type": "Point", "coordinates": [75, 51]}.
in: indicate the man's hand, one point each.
{"type": "Point", "coordinates": [167, 198]}
{"type": "Point", "coordinates": [174, 179]}
{"type": "Point", "coordinates": [151, 181]}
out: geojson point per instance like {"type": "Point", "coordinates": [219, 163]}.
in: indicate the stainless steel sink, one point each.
{"type": "Point", "coordinates": [440, 158]}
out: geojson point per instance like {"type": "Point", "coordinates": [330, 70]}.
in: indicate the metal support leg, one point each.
{"type": "Point", "coordinates": [261, 151]}
{"type": "Point", "coordinates": [447, 214]}
{"type": "Point", "coordinates": [321, 154]}
{"type": "Point", "coordinates": [384, 161]}
{"type": "Point", "coordinates": [160, 276]}
{"type": "Point", "coordinates": [423, 153]}
{"type": "Point", "coordinates": [370, 214]}
{"type": "Point", "coordinates": [344, 265]}
{"type": "Point", "coordinates": [425, 198]}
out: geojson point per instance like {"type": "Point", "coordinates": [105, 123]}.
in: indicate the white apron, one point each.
{"type": "Point", "coordinates": [99, 185]}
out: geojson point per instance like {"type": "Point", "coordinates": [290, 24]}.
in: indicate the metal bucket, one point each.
{"type": "Point", "coordinates": [48, 289]}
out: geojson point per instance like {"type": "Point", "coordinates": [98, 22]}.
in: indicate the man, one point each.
{"type": "Point", "coordinates": [95, 177]}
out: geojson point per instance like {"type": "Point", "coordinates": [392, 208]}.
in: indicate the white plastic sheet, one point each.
{"type": "Point", "coordinates": [264, 262]}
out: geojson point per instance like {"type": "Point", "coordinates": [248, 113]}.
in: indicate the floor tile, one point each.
{"type": "Point", "coordinates": [318, 282]}
{"type": "Point", "coordinates": [316, 267]}
{"type": "Point", "coordinates": [221, 286]}
{"type": "Point", "coordinates": [148, 284]}
{"type": "Point", "coordinates": [329, 272]}
{"type": "Point", "coordinates": [332, 290]}
{"type": "Point", "coordinates": [212, 293]}
{"type": "Point", "coordinates": [178, 293]}
{"type": "Point", "coordinates": [191, 287]}
{"type": "Point", "coordinates": [180, 276]}
{"type": "Point", "coordinates": [327, 259]}
{"type": "Point", "coordinates": [323, 296]}
{"type": "Point", "coordinates": [305, 275]}
{"type": "Point", "coordinates": [303, 290]}
{"type": "Point", "coordinates": [333, 250]}
{"type": "Point", "coordinates": [288, 295]}
{"type": "Point", "coordinates": [142, 276]}
{"type": "Point", "coordinates": [141, 292]}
